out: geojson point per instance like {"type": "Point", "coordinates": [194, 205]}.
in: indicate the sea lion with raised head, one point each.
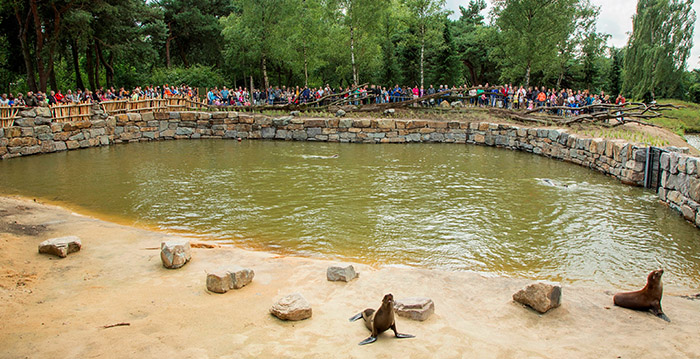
{"type": "Point", "coordinates": [648, 298]}
{"type": "Point", "coordinates": [380, 320]}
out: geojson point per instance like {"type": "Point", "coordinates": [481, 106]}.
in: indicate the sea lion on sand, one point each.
{"type": "Point", "coordinates": [648, 298]}
{"type": "Point", "coordinates": [380, 320]}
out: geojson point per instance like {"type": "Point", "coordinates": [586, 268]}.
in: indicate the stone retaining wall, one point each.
{"type": "Point", "coordinates": [680, 184]}
{"type": "Point", "coordinates": [34, 133]}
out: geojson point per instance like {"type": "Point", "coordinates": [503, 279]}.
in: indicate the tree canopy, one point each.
{"type": "Point", "coordinates": [61, 44]}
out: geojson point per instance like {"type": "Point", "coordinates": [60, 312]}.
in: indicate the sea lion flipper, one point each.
{"type": "Point", "coordinates": [368, 341]}
{"type": "Point", "coordinates": [356, 317]}
{"type": "Point", "coordinates": [656, 310]}
{"type": "Point", "coordinates": [400, 335]}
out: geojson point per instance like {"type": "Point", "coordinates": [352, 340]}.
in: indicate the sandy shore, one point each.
{"type": "Point", "coordinates": [56, 308]}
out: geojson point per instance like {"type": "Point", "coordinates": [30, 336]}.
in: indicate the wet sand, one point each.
{"type": "Point", "coordinates": [56, 308]}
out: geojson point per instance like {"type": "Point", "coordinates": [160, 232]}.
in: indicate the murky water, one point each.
{"type": "Point", "coordinates": [444, 206]}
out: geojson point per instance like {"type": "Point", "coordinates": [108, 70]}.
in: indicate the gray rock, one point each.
{"type": "Point", "coordinates": [456, 104]}
{"type": "Point", "coordinates": [43, 111]}
{"type": "Point", "coordinates": [295, 113]}
{"type": "Point", "coordinates": [42, 121]}
{"type": "Point", "coordinates": [292, 307]}
{"type": "Point", "coordinates": [414, 308]}
{"type": "Point", "coordinates": [25, 122]}
{"type": "Point", "coordinates": [340, 113]}
{"type": "Point", "coordinates": [60, 246]}
{"type": "Point", "coordinates": [540, 296]}
{"type": "Point", "coordinates": [338, 273]}
{"type": "Point", "coordinates": [28, 113]}
{"type": "Point", "coordinates": [223, 280]}
{"type": "Point", "coordinates": [175, 253]}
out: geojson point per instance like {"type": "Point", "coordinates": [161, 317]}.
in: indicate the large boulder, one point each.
{"type": "Point", "coordinates": [540, 296]}
{"type": "Point", "coordinates": [60, 246]}
{"type": "Point", "coordinates": [292, 307]}
{"type": "Point", "coordinates": [175, 253]}
{"type": "Point", "coordinates": [414, 308]}
{"type": "Point", "coordinates": [223, 280]}
{"type": "Point", "coordinates": [340, 273]}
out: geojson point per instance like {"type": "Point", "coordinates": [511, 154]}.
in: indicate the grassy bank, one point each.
{"type": "Point", "coordinates": [683, 120]}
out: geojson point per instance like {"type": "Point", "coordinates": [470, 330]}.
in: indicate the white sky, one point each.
{"type": "Point", "coordinates": [615, 19]}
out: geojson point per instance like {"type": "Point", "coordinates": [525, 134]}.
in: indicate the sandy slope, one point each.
{"type": "Point", "coordinates": [55, 308]}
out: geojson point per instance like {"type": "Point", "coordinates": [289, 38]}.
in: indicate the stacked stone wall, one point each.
{"type": "Point", "coordinates": [680, 184]}
{"type": "Point", "coordinates": [35, 133]}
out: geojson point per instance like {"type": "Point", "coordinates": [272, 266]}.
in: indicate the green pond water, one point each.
{"type": "Point", "coordinates": [441, 206]}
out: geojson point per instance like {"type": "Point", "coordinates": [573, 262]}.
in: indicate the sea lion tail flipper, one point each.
{"type": "Point", "coordinates": [356, 317]}
{"type": "Point", "coordinates": [368, 340]}
{"type": "Point", "coordinates": [664, 317]}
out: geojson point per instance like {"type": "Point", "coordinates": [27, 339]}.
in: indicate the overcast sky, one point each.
{"type": "Point", "coordinates": [615, 19]}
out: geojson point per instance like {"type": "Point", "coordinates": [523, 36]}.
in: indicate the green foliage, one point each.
{"type": "Point", "coordinates": [531, 33]}
{"type": "Point", "coordinates": [195, 76]}
{"type": "Point", "coordinates": [553, 43]}
{"type": "Point", "coordinates": [658, 48]}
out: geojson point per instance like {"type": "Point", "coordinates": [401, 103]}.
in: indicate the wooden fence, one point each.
{"type": "Point", "coordinates": [8, 115]}
{"type": "Point", "coordinates": [71, 112]}
{"type": "Point", "coordinates": [82, 111]}
{"type": "Point", "coordinates": [167, 104]}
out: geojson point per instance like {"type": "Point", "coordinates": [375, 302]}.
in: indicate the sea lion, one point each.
{"type": "Point", "coordinates": [648, 298]}
{"type": "Point", "coordinates": [380, 320]}
{"type": "Point", "coordinates": [549, 182]}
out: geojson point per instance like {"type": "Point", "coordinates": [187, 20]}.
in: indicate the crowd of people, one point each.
{"type": "Point", "coordinates": [562, 102]}
{"type": "Point", "coordinates": [507, 96]}
{"type": "Point", "coordinates": [45, 99]}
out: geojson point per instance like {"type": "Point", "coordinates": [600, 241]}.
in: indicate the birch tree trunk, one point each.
{"type": "Point", "coordinates": [352, 55]}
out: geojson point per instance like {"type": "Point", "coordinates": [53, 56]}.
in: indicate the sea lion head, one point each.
{"type": "Point", "coordinates": [389, 298]}
{"type": "Point", "coordinates": [654, 278]}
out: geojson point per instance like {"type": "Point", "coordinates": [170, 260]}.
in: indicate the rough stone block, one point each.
{"type": "Point", "coordinates": [43, 111]}
{"type": "Point", "coordinates": [223, 280]}
{"type": "Point", "coordinates": [292, 307]}
{"type": "Point", "coordinates": [340, 273]}
{"type": "Point", "coordinates": [60, 246]}
{"type": "Point", "coordinates": [540, 296]}
{"type": "Point", "coordinates": [414, 308]}
{"type": "Point", "coordinates": [688, 213]}
{"type": "Point", "coordinates": [175, 253]}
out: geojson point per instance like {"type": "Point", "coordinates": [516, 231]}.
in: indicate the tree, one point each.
{"type": "Point", "coordinates": [615, 73]}
{"type": "Point", "coordinates": [252, 35]}
{"type": "Point", "coordinates": [658, 48]}
{"type": "Point", "coordinates": [530, 32]}
{"type": "Point", "coordinates": [426, 16]}
{"type": "Point", "coordinates": [474, 41]}
{"type": "Point", "coordinates": [447, 70]}
{"type": "Point", "coordinates": [194, 31]}
{"type": "Point", "coordinates": [363, 19]}
{"type": "Point", "coordinates": [592, 54]}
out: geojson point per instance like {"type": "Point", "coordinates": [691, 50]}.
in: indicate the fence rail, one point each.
{"type": "Point", "coordinates": [145, 104]}
{"type": "Point", "coordinates": [71, 112]}
{"type": "Point", "coordinates": [8, 115]}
